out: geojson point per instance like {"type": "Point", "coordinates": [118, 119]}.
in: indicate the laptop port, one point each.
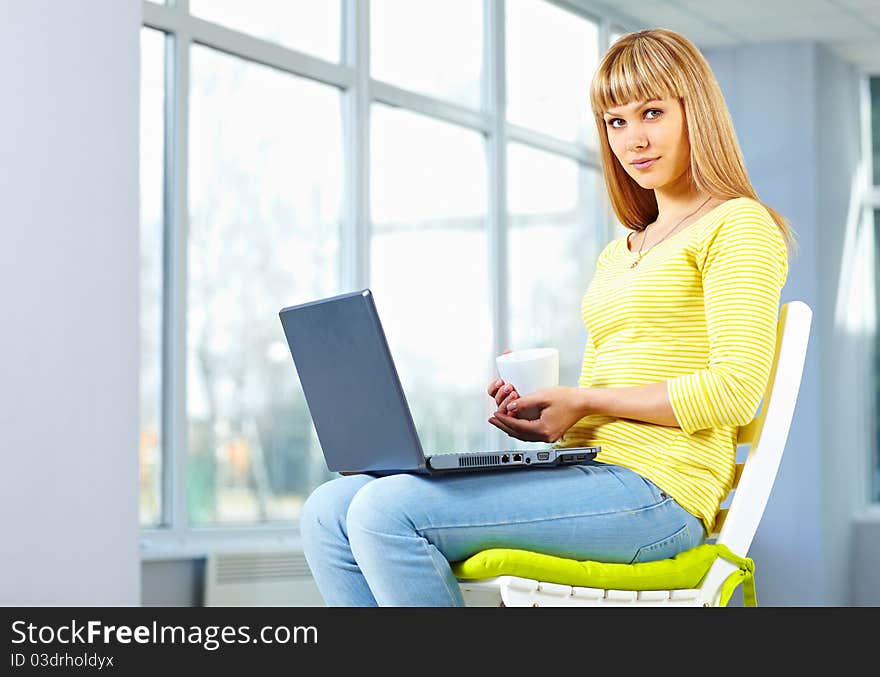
{"type": "Point", "coordinates": [543, 455]}
{"type": "Point", "coordinates": [582, 457]}
{"type": "Point", "coordinates": [505, 459]}
{"type": "Point", "coordinates": [517, 457]}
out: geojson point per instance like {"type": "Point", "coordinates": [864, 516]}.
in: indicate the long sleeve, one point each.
{"type": "Point", "coordinates": [744, 265]}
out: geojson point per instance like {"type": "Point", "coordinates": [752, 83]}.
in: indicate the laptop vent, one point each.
{"type": "Point", "coordinates": [473, 461]}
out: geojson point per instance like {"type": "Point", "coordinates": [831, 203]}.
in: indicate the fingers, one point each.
{"type": "Point", "coordinates": [502, 406]}
{"type": "Point", "coordinates": [500, 391]}
{"type": "Point", "coordinates": [504, 393]}
{"type": "Point", "coordinates": [494, 386]}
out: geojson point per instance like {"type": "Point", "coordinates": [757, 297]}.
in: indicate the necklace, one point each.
{"type": "Point", "coordinates": [636, 262]}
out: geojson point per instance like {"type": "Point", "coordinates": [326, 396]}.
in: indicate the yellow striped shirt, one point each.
{"type": "Point", "coordinates": [699, 312]}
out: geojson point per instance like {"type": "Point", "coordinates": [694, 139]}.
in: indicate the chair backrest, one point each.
{"type": "Point", "coordinates": [766, 436]}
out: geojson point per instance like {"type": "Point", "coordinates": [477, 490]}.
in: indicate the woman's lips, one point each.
{"type": "Point", "coordinates": [645, 165]}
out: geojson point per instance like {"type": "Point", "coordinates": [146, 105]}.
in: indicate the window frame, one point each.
{"type": "Point", "coordinates": [174, 537]}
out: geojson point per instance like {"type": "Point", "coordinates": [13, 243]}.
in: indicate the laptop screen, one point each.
{"type": "Point", "coordinates": [350, 383]}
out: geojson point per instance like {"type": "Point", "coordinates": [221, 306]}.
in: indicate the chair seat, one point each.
{"type": "Point", "coordinates": [518, 591]}
{"type": "Point", "coordinates": [683, 571]}
{"type": "Point", "coordinates": [511, 577]}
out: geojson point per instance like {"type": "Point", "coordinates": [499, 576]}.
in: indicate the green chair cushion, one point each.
{"type": "Point", "coordinates": [684, 571]}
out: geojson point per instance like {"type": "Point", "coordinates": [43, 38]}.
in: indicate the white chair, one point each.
{"type": "Point", "coordinates": [735, 526]}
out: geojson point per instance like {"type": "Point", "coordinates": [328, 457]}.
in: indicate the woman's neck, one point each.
{"type": "Point", "coordinates": [675, 202]}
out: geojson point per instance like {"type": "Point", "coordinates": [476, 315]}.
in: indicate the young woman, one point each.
{"type": "Point", "coordinates": [681, 320]}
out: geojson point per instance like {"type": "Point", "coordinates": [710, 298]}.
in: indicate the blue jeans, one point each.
{"type": "Point", "coordinates": [388, 541]}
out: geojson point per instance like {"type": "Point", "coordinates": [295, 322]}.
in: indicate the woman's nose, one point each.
{"type": "Point", "coordinates": [636, 144]}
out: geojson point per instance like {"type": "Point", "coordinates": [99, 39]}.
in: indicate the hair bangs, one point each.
{"type": "Point", "coordinates": [630, 72]}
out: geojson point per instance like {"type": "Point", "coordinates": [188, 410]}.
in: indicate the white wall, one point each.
{"type": "Point", "coordinates": [844, 266]}
{"type": "Point", "coordinates": [795, 107]}
{"type": "Point", "coordinates": [69, 331]}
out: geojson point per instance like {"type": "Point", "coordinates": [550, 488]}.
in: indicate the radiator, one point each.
{"type": "Point", "coordinates": [259, 578]}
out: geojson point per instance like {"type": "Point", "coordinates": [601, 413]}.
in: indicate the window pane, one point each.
{"type": "Point", "coordinates": [265, 193]}
{"type": "Point", "coordinates": [556, 222]}
{"type": "Point", "coordinates": [152, 195]}
{"type": "Point", "coordinates": [551, 57]}
{"type": "Point", "coordinates": [875, 128]}
{"type": "Point", "coordinates": [312, 26]}
{"type": "Point", "coordinates": [432, 47]}
{"type": "Point", "coordinates": [429, 272]}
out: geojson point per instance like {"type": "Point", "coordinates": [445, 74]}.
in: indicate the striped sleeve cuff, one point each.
{"type": "Point", "coordinates": [685, 394]}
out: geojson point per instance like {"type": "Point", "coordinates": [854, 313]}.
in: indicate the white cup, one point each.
{"type": "Point", "coordinates": [529, 370]}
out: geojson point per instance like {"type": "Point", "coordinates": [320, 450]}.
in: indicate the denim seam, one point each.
{"type": "Point", "coordinates": [545, 519]}
{"type": "Point", "coordinates": [427, 544]}
{"type": "Point", "coordinates": [683, 532]}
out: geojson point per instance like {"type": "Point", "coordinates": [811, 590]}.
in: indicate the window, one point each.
{"type": "Point", "coordinates": [265, 191]}
{"type": "Point", "coordinates": [553, 206]}
{"type": "Point", "coordinates": [431, 47]}
{"type": "Point", "coordinates": [551, 58]}
{"type": "Point", "coordinates": [151, 243]}
{"type": "Point", "coordinates": [874, 89]}
{"type": "Point", "coordinates": [273, 175]}
{"type": "Point", "coordinates": [311, 26]}
{"type": "Point", "coordinates": [429, 249]}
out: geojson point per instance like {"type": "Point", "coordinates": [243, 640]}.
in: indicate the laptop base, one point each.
{"type": "Point", "coordinates": [512, 458]}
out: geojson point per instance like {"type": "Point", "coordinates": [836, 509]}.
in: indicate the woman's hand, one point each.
{"type": "Point", "coordinates": [560, 408]}
{"type": "Point", "coordinates": [503, 393]}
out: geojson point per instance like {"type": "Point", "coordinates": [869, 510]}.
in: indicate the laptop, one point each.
{"type": "Point", "coordinates": [357, 403]}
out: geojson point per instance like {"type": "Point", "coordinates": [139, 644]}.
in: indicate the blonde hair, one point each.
{"type": "Point", "coordinates": [659, 64]}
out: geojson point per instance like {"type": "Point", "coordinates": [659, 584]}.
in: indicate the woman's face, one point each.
{"type": "Point", "coordinates": [654, 129]}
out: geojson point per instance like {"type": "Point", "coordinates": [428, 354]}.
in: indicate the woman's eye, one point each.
{"type": "Point", "coordinates": [650, 110]}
